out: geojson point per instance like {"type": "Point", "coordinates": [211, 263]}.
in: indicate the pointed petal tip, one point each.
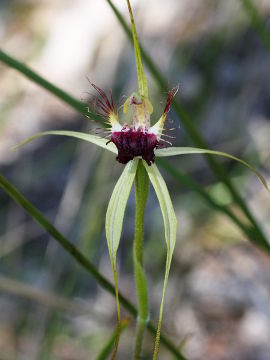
{"type": "Point", "coordinates": [171, 95]}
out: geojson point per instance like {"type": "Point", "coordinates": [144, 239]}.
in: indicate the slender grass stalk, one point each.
{"type": "Point", "coordinates": [79, 257]}
{"type": "Point", "coordinates": [118, 328]}
{"type": "Point", "coordinates": [197, 138]}
{"type": "Point", "coordinates": [104, 354]}
{"type": "Point", "coordinates": [141, 193]}
{"type": "Point", "coordinates": [33, 76]}
{"type": "Point", "coordinates": [257, 22]}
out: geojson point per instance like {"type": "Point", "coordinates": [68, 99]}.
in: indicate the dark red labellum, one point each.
{"type": "Point", "coordinates": [135, 142]}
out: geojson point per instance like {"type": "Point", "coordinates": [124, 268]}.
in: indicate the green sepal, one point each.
{"type": "Point", "coordinates": [117, 206]}
{"type": "Point", "coordinates": [172, 151]}
{"type": "Point", "coordinates": [113, 226]}
{"type": "Point", "coordinates": [75, 134]}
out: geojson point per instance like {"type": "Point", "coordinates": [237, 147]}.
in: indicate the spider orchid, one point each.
{"type": "Point", "coordinates": [137, 145]}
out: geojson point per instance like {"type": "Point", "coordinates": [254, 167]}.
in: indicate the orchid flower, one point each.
{"type": "Point", "coordinates": [136, 146]}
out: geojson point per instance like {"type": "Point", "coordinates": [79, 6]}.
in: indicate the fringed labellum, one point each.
{"type": "Point", "coordinates": [138, 139]}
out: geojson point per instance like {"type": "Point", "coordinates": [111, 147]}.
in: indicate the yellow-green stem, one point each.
{"type": "Point", "coordinates": [118, 329]}
{"type": "Point", "coordinates": [141, 192]}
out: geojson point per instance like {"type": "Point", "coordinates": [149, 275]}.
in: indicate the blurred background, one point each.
{"type": "Point", "coordinates": [218, 298]}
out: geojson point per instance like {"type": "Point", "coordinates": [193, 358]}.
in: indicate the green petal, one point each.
{"type": "Point", "coordinates": [142, 83]}
{"type": "Point", "coordinates": [79, 135]}
{"type": "Point", "coordinates": [114, 222]}
{"type": "Point", "coordinates": [172, 151]}
{"type": "Point", "coordinates": [170, 225]}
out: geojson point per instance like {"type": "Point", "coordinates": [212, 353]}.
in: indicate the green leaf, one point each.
{"type": "Point", "coordinates": [170, 225]}
{"type": "Point", "coordinates": [172, 151]}
{"type": "Point", "coordinates": [113, 225]}
{"type": "Point", "coordinates": [79, 135]}
{"type": "Point", "coordinates": [142, 83]}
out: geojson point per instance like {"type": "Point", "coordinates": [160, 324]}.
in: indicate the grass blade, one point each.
{"type": "Point", "coordinates": [33, 76]}
{"type": "Point", "coordinates": [257, 22]}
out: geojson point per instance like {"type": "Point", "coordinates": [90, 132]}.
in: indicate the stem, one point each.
{"type": "Point", "coordinates": [141, 192]}
{"type": "Point", "coordinates": [118, 329]}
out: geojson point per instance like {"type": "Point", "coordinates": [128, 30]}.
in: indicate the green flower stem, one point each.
{"type": "Point", "coordinates": [79, 257]}
{"type": "Point", "coordinates": [190, 126]}
{"type": "Point", "coordinates": [141, 193]}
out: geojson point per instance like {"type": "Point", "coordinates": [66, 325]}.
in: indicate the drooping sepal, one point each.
{"type": "Point", "coordinates": [113, 226]}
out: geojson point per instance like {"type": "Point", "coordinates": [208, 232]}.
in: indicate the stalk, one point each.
{"type": "Point", "coordinates": [141, 193]}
